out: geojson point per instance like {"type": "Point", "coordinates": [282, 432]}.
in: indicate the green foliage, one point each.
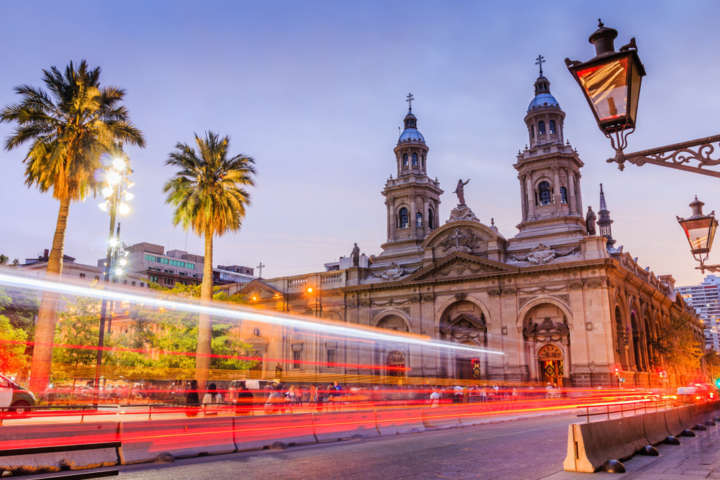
{"type": "Point", "coordinates": [76, 333]}
{"type": "Point", "coordinates": [13, 358]}
{"type": "Point", "coordinates": [69, 127]}
{"type": "Point", "coordinates": [208, 189]}
{"type": "Point", "coordinates": [4, 259]}
{"type": "Point", "coordinates": [680, 349]}
{"type": "Point", "coordinates": [226, 345]}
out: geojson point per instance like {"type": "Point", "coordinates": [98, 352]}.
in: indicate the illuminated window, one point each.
{"type": "Point", "coordinates": [414, 160]}
{"type": "Point", "coordinates": [405, 160]}
{"type": "Point", "coordinates": [552, 127]}
{"type": "Point", "coordinates": [418, 220]}
{"type": "Point", "coordinates": [541, 127]}
{"type": "Point", "coordinates": [563, 195]}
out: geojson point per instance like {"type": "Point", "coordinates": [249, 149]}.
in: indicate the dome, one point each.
{"type": "Point", "coordinates": [543, 100]}
{"type": "Point", "coordinates": [411, 135]}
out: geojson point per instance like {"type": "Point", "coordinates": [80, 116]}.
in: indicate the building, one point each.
{"type": "Point", "coordinates": [167, 269]}
{"type": "Point", "coordinates": [232, 274]}
{"type": "Point", "coordinates": [72, 269]}
{"type": "Point", "coordinates": [563, 304]}
{"type": "Point", "coordinates": [705, 299]}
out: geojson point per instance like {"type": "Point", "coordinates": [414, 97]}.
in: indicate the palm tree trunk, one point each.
{"type": "Point", "coordinates": [47, 315]}
{"type": "Point", "coordinates": [202, 359]}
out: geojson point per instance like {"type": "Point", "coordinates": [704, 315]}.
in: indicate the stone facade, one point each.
{"type": "Point", "coordinates": [560, 305]}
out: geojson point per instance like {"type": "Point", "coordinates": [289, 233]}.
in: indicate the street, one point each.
{"type": "Point", "coordinates": [519, 449]}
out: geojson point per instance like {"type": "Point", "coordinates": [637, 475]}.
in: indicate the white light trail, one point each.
{"type": "Point", "coordinates": [323, 327]}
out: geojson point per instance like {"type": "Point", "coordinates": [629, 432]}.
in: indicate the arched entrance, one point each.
{"type": "Point", "coordinates": [547, 343]}
{"type": "Point", "coordinates": [391, 363]}
{"type": "Point", "coordinates": [551, 367]}
{"type": "Point", "coordinates": [395, 364]}
{"type": "Point", "coordinates": [464, 322]}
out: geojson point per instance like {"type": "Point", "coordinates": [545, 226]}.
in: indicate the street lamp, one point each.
{"type": "Point", "coordinates": [116, 197]}
{"type": "Point", "coordinates": [700, 232]}
{"type": "Point", "coordinates": [611, 84]}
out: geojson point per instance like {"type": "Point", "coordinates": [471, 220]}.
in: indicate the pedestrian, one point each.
{"type": "Point", "coordinates": [434, 398]}
{"type": "Point", "coordinates": [192, 399]}
{"type": "Point", "coordinates": [211, 399]}
{"type": "Point", "coordinates": [243, 400]}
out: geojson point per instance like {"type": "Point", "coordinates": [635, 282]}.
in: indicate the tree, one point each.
{"type": "Point", "coordinates": [4, 259]}
{"type": "Point", "coordinates": [69, 127]}
{"type": "Point", "coordinates": [209, 195]}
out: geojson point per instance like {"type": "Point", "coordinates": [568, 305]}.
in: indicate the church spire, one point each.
{"type": "Point", "coordinates": [604, 221]}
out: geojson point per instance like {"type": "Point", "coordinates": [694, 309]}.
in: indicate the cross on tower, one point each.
{"type": "Point", "coordinates": [409, 99]}
{"type": "Point", "coordinates": [260, 267]}
{"type": "Point", "coordinates": [539, 61]}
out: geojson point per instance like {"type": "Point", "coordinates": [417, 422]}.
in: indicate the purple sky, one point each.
{"type": "Point", "coordinates": [314, 91]}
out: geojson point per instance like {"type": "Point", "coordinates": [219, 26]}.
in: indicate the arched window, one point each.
{"type": "Point", "coordinates": [418, 220]}
{"type": "Point", "coordinates": [532, 132]}
{"type": "Point", "coordinates": [403, 219]}
{"type": "Point", "coordinates": [541, 127]}
{"type": "Point", "coordinates": [414, 160]}
{"type": "Point", "coordinates": [563, 194]}
{"type": "Point", "coordinates": [431, 218]}
{"type": "Point", "coordinates": [544, 193]}
{"type": "Point", "coordinates": [423, 162]}
{"type": "Point", "coordinates": [552, 127]}
{"type": "Point", "coordinates": [405, 160]}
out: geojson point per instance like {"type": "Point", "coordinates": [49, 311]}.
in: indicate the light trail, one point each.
{"type": "Point", "coordinates": [237, 314]}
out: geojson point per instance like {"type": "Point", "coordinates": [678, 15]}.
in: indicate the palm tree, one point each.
{"type": "Point", "coordinates": [209, 195]}
{"type": "Point", "coordinates": [69, 127]}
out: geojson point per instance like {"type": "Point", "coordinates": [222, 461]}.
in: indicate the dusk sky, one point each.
{"type": "Point", "coordinates": [315, 91]}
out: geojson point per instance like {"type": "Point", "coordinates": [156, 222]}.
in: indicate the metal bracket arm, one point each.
{"type": "Point", "coordinates": [692, 156]}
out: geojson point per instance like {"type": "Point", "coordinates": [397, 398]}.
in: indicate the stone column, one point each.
{"type": "Point", "coordinates": [571, 193]}
{"type": "Point", "coordinates": [393, 219]}
{"type": "Point", "coordinates": [578, 195]}
{"type": "Point", "coordinates": [556, 174]}
{"type": "Point", "coordinates": [523, 198]}
{"type": "Point", "coordinates": [530, 197]}
{"type": "Point", "coordinates": [413, 210]}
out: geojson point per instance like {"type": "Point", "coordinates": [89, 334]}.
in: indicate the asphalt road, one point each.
{"type": "Point", "coordinates": [523, 449]}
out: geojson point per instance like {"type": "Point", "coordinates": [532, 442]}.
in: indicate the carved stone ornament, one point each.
{"type": "Point", "coordinates": [462, 239]}
{"type": "Point", "coordinates": [460, 213]}
{"type": "Point", "coordinates": [394, 272]}
{"type": "Point", "coordinates": [543, 254]}
{"type": "Point", "coordinates": [546, 331]}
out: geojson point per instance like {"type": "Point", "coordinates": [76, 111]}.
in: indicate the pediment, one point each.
{"type": "Point", "coordinates": [462, 265]}
{"type": "Point", "coordinates": [463, 236]}
{"type": "Point", "coordinates": [260, 288]}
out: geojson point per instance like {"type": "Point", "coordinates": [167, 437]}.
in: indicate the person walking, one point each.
{"type": "Point", "coordinates": [192, 399]}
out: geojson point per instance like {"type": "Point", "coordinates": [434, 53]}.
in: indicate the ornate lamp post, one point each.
{"type": "Point", "coordinates": [700, 232]}
{"type": "Point", "coordinates": [117, 195]}
{"type": "Point", "coordinates": [611, 84]}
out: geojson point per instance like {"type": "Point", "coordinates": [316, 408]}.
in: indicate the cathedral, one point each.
{"type": "Point", "coordinates": [563, 304]}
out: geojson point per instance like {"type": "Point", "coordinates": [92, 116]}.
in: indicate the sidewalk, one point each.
{"type": "Point", "coordinates": [693, 459]}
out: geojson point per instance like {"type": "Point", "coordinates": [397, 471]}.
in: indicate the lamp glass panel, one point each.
{"type": "Point", "coordinates": [700, 232]}
{"type": "Point", "coordinates": [606, 85]}
{"type": "Point", "coordinates": [635, 81]}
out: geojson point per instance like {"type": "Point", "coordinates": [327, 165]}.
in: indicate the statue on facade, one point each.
{"type": "Point", "coordinates": [590, 221]}
{"type": "Point", "coordinates": [460, 191]}
{"type": "Point", "coordinates": [355, 255]}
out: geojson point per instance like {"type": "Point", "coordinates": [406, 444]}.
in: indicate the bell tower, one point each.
{"type": "Point", "coordinates": [549, 174]}
{"type": "Point", "coordinates": [412, 198]}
